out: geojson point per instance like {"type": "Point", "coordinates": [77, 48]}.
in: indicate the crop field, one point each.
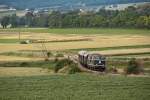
{"type": "Point", "coordinates": [74, 87]}
{"type": "Point", "coordinates": [25, 75]}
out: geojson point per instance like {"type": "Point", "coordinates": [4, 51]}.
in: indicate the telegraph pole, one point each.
{"type": "Point", "coordinates": [19, 35]}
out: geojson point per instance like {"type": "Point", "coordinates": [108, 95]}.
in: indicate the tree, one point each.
{"type": "Point", "coordinates": [14, 21]}
{"type": "Point", "coordinates": [29, 19]}
{"type": "Point", "coordinates": [5, 21]}
{"type": "Point", "coordinates": [134, 67]}
{"type": "Point", "coordinates": [143, 22]}
{"type": "Point", "coordinates": [55, 20]}
{"type": "Point", "coordinates": [98, 21]}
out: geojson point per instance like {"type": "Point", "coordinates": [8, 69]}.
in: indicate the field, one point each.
{"type": "Point", "coordinates": [74, 87]}
{"type": "Point", "coordinates": [24, 75]}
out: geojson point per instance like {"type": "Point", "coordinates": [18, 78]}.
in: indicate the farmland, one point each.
{"type": "Point", "coordinates": [116, 42]}
{"type": "Point", "coordinates": [109, 31]}
{"type": "Point", "coordinates": [73, 87]}
{"type": "Point", "coordinates": [25, 75]}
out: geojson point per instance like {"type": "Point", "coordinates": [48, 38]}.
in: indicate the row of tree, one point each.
{"type": "Point", "coordinates": [130, 18]}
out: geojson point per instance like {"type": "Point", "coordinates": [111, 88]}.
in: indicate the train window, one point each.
{"type": "Point", "coordinates": [90, 58]}
{"type": "Point", "coordinates": [96, 62]}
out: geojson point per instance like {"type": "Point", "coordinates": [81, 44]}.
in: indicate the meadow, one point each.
{"type": "Point", "coordinates": [75, 87]}
{"type": "Point", "coordinates": [106, 31]}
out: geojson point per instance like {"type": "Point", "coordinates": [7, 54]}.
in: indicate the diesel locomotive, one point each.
{"type": "Point", "coordinates": [92, 61]}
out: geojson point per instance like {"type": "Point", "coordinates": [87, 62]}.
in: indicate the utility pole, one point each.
{"type": "Point", "coordinates": [19, 35]}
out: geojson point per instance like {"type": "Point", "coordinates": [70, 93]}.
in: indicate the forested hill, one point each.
{"type": "Point", "coordinates": [22, 4]}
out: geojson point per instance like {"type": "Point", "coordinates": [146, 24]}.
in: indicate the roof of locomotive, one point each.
{"type": "Point", "coordinates": [85, 53]}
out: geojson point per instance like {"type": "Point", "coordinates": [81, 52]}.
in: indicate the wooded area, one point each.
{"type": "Point", "coordinates": [131, 17]}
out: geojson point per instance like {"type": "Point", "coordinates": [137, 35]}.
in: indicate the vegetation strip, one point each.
{"type": "Point", "coordinates": [106, 31]}
{"type": "Point", "coordinates": [40, 41]}
{"type": "Point", "coordinates": [112, 48]}
{"type": "Point", "coordinates": [9, 40]}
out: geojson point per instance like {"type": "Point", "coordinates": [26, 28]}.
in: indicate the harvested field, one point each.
{"type": "Point", "coordinates": [20, 71]}
{"type": "Point", "coordinates": [97, 42]}
{"type": "Point", "coordinates": [38, 36]}
{"type": "Point", "coordinates": [123, 51]}
{"type": "Point", "coordinates": [16, 58]}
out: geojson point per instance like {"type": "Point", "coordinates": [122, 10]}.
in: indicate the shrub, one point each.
{"type": "Point", "coordinates": [24, 64]}
{"type": "Point", "coordinates": [134, 67]}
{"type": "Point", "coordinates": [56, 60]}
{"type": "Point", "coordinates": [49, 54]}
{"type": "Point", "coordinates": [23, 42]}
{"type": "Point", "coordinates": [59, 55]}
{"type": "Point", "coordinates": [112, 70]}
{"type": "Point", "coordinates": [62, 63]}
{"type": "Point", "coordinates": [73, 68]}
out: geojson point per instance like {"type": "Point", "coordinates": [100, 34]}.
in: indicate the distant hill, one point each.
{"type": "Point", "coordinates": [22, 4]}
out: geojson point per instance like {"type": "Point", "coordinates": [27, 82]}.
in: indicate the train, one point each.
{"type": "Point", "coordinates": [92, 61]}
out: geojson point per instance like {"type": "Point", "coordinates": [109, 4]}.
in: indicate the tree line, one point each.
{"type": "Point", "coordinates": [131, 17]}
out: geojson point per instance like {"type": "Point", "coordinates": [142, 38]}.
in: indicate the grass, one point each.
{"type": "Point", "coordinates": [9, 40]}
{"type": "Point", "coordinates": [113, 48]}
{"type": "Point", "coordinates": [12, 41]}
{"type": "Point", "coordinates": [21, 54]}
{"type": "Point", "coordinates": [122, 63]}
{"type": "Point", "coordinates": [41, 64]}
{"type": "Point", "coordinates": [75, 87]}
{"type": "Point", "coordinates": [105, 31]}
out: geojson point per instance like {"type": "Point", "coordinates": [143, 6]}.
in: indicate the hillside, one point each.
{"type": "Point", "coordinates": [22, 4]}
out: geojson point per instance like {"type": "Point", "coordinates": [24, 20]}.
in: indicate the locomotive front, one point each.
{"type": "Point", "coordinates": [96, 62]}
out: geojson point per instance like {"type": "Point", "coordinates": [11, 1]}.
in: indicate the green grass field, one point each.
{"type": "Point", "coordinates": [75, 87]}
{"type": "Point", "coordinates": [9, 41]}
{"type": "Point", "coordinates": [81, 31]}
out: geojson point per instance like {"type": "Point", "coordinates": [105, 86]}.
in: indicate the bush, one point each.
{"type": "Point", "coordinates": [49, 54]}
{"type": "Point", "coordinates": [112, 70]}
{"type": "Point", "coordinates": [73, 69]}
{"type": "Point", "coordinates": [62, 63]}
{"type": "Point", "coordinates": [23, 42]}
{"type": "Point", "coordinates": [56, 60]}
{"type": "Point", "coordinates": [134, 67]}
{"type": "Point", "coordinates": [24, 64]}
{"type": "Point", "coordinates": [59, 55]}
